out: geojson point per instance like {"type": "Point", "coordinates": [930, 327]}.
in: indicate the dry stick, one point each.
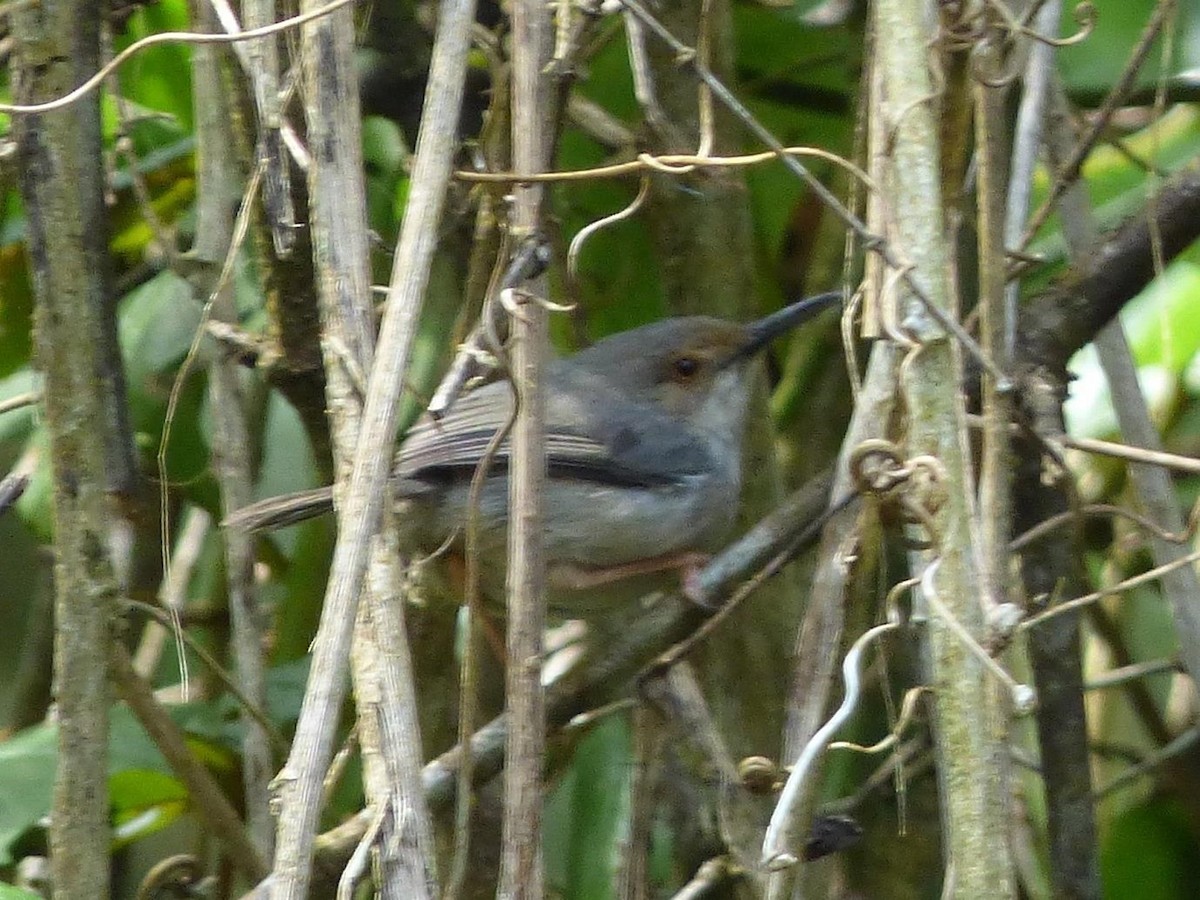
{"type": "Point", "coordinates": [258, 713]}
{"type": "Point", "coordinates": [996, 325]}
{"type": "Point", "coordinates": [1108, 448]}
{"type": "Point", "coordinates": [709, 878]}
{"type": "Point", "coordinates": [1068, 606]}
{"type": "Point", "coordinates": [521, 873]}
{"type": "Point", "coordinates": [646, 765]}
{"type": "Point", "coordinates": [214, 810]}
{"type": "Point", "coordinates": [1122, 675]}
{"type": "Point", "coordinates": [1123, 263]}
{"type": "Point", "coordinates": [824, 617]}
{"type": "Point", "coordinates": [664, 162]}
{"type": "Point", "coordinates": [1132, 454]}
{"type": "Point", "coordinates": [217, 192]}
{"type": "Point", "coordinates": [172, 595]}
{"type": "Point", "coordinates": [300, 781]}
{"type": "Point", "coordinates": [390, 733]}
{"type": "Point", "coordinates": [19, 401]}
{"type": "Point", "coordinates": [384, 694]}
{"type": "Point", "coordinates": [54, 46]}
{"type": "Point", "coordinates": [1154, 490]}
{"type": "Point", "coordinates": [261, 61]}
{"type": "Point", "coordinates": [1061, 721]}
{"type": "Point", "coordinates": [1045, 526]}
{"type": "Point", "coordinates": [1152, 485]}
{"type": "Point", "coordinates": [1158, 757]}
{"type": "Point", "coordinates": [967, 710]}
{"type": "Point", "coordinates": [679, 698]}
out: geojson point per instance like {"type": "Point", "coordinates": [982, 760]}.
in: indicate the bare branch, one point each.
{"type": "Point", "coordinates": [521, 876]}
{"type": "Point", "coordinates": [366, 489]}
{"type": "Point", "coordinates": [57, 45]}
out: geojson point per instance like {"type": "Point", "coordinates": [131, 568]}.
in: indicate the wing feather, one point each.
{"type": "Point", "coordinates": [593, 432]}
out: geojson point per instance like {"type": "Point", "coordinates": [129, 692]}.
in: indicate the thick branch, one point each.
{"type": "Point", "coordinates": [56, 46]}
{"type": "Point", "coordinates": [969, 726]}
{"type": "Point", "coordinates": [1054, 327]}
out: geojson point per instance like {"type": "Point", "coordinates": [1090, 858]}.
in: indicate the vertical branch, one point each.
{"type": "Point", "coordinates": [263, 58]}
{"type": "Point", "coordinates": [1052, 564]}
{"type": "Point", "coordinates": [217, 196]}
{"type": "Point", "coordinates": [1054, 644]}
{"type": "Point", "coordinates": [968, 721]}
{"type": "Point", "coordinates": [521, 863]}
{"type": "Point", "coordinates": [995, 474]}
{"type": "Point", "coordinates": [824, 617]}
{"type": "Point", "coordinates": [339, 253]}
{"type": "Point", "coordinates": [406, 861]}
{"type": "Point", "coordinates": [56, 47]}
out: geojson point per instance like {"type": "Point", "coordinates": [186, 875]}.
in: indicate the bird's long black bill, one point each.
{"type": "Point", "coordinates": [770, 327]}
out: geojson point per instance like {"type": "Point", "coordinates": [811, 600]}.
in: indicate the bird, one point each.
{"type": "Point", "coordinates": [644, 436]}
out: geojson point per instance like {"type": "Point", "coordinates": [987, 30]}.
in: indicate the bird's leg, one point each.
{"type": "Point", "coordinates": [688, 564]}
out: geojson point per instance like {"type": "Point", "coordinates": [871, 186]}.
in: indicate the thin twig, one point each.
{"type": "Point", "coordinates": [1119, 588]}
{"type": "Point", "coordinates": [1128, 452]}
{"type": "Point", "coordinates": [20, 401]}
{"type": "Point", "coordinates": [219, 817]}
{"type": "Point", "coordinates": [169, 37]}
{"type": "Point", "coordinates": [227, 681]}
{"type": "Point", "coordinates": [1121, 676]}
{"type": "Point", "coordinates": [1067, 171]}
{"type": "Point", "coordinates": [664, 162]}
{"type": "Point", "coordinates": [1151, 761]}
{"type": "Point", "coordinates": [217, 191]}
{"type": "Point", "coordinates": [1098, 509]}
{"type": "Point", "coordinates": [710, 877]}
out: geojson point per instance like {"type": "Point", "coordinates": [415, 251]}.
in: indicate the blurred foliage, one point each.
{"type": "Point", "coordinates": [802, 80]}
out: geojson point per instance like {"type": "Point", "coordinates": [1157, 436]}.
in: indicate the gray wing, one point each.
{"type": "Point", "coordinates": [592, 433]}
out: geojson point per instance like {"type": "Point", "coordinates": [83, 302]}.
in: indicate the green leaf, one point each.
{"type": "Point", "coordinates": [27, 763]}
{"type": "Point", "coordinates": [143, 790]}
{"type": "Point", "coordinates": [1093, 65]}
{"type": "Point", "coordinates": [1150, 852]}
{"type": "Point", "coordinates": [143, 802]}
{"type": "Point", "coordinates": [8, 892]}
{"type": "Point", "coordinates": [159, 77]}
{"type": "Point", "coordinates": [158, 322]}
{"type": "Point", "coordinates": [16, 425]}
{"type": "Point", "coordinates": [587, 814]}
{"type": "Point", "coordinates": [385, 154]}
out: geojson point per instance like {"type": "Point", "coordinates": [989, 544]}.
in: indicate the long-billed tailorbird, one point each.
{"type": "Point", "coordinates": [644, 434]}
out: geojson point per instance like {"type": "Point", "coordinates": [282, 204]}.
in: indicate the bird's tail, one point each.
{"type": "Point", "coordinates": [276, 512]}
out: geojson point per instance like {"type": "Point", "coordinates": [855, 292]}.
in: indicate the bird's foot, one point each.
{"type": "Point", "coordinates": [688, 565]}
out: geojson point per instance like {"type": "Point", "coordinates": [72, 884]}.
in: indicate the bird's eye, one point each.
{"type": "Point", "coordinates": [685, 367]}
